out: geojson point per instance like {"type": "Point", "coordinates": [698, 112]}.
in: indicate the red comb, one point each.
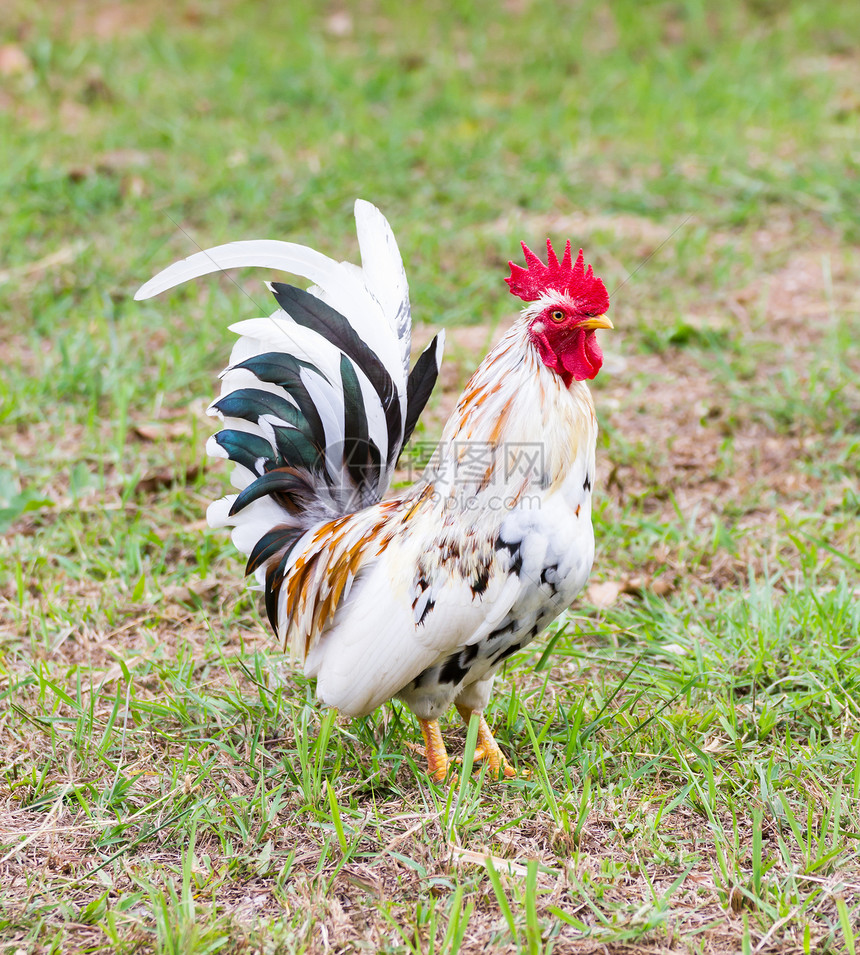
{"type": "Point", "coordinates": [571, 279]}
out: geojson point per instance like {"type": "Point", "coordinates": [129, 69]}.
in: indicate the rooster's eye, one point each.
{"type": "Point", "coordinates": [557, 315]}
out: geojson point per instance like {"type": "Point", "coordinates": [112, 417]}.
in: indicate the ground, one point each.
{"type": "Point", "coordinates": [691, 726]}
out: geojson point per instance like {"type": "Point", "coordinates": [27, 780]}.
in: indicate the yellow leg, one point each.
{"type": "Point", "coordinates": [434, 749]}
{"type": "Point", "coordinates": [486, 746]}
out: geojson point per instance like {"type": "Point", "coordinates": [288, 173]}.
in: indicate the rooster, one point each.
{"type": "Point", "coordinates": [422, 595]}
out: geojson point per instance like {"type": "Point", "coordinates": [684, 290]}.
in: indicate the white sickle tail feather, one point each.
{"type": "Point", "coordinates": [318, 401]}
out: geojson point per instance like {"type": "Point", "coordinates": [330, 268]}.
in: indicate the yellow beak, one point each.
{"type": "Point", "coordinates": [601, 321]}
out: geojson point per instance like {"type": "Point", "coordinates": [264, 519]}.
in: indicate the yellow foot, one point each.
{"type": "Point", "coordinates": [495, 759]}
{"type": "Point", "coordinates": [434, 750]}
{"type": "Point", "coordinates": [486, 747]}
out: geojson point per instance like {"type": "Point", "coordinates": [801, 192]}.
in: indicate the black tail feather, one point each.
{"type": "Point", "coordinates": [270, 544]}
{"type": "Point", "coordinates": [246, 449]}
{"type": "Point", "coordinates": [419, 387]}
{"type": "Point", "coordinates": [278, 482]}
{"type": "Point", "coordinates": [313, 313]}
{"type": "Point", "coordinates": [285, 371]}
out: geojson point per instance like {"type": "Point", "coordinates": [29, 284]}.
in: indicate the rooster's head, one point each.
{"type": "Point", "coordinates": [569, 304]}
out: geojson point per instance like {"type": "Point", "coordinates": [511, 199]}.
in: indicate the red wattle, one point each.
{"type": "Point", "coordinates": [582, 358]}
{"type": "Point", "coordinates": [574, 357]}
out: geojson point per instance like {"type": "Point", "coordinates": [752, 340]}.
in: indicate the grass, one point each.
{"type": "Point", "coordinates": [691, 726]}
